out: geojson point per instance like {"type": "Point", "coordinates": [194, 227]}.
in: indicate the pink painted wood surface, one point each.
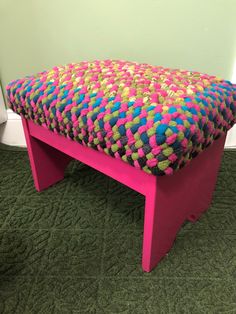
{"type": "Point", "coordinates": [117, 169]}
{"type": "Point", "coordinates": [174, 199]}
{"type": "Point", "coordinates": [47, 164]}
{"type": "Point", "coordinates": [169, 200]}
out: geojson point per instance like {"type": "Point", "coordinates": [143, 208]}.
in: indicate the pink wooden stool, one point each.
{"type": "Point", "coordinates": [169, 200]}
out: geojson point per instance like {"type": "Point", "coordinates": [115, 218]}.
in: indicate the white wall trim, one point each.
{"type": "Point", "coordinates": [231, 138]}
{"type": "Point", "coordinates": [3, 112]}
{"type": "Point", "coordinates": [11, 132]}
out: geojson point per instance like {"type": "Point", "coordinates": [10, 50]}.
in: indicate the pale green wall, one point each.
{"type": "Point", "coordinates": [195, 34]}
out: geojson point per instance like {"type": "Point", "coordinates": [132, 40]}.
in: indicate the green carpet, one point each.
{"type": "Point", "coordinates": [76, 247]}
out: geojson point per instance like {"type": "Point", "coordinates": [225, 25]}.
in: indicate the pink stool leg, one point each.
{"type": "Point", "coordinates": [47, 163]}
{"type": "Point", "coordinates": [170, 200]}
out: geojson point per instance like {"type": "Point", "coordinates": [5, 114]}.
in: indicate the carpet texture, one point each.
{"type": "Point", "coordinates": [76, 247]}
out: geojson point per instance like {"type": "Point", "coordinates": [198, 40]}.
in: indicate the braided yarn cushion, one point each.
{"type": "Point", "coordinates": [154, 118]}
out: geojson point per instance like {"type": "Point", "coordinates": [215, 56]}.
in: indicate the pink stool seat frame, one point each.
{"type": "Point", "coordinates": [169, 200]}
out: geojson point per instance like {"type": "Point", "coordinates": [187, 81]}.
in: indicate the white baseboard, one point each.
{"type": "Point", "coordinates": [11, 132]}
{"type": "Point", "coordinates": [3, 112]}
{"type": "Point", "coordinates": [231, 138]}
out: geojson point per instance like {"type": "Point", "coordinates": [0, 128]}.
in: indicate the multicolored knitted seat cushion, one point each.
{"type": "Point", "coordinates": [154, 118]}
